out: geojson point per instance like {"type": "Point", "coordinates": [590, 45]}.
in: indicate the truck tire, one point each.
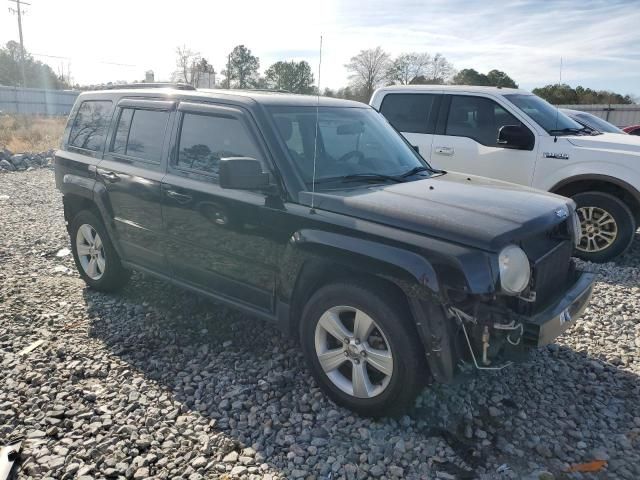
{"type": "Point", "coordinates": [362, 349]}
{"type": "Point", "coordinates": [608, 226]}
{"type": "Point", "coordinates": [96, 260]}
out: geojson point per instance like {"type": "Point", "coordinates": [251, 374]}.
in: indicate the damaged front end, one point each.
{"type": "Point", "coordinates": [491, 331]}
{"type": "Point", "coordinates": [495, 334]}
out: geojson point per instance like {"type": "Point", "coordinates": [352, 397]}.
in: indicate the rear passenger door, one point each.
{"type": "Point", "coordinates": [217, 239]}
{"type": "Point", "coordinates": [130, 173]}
{"type": "Point", "coordinates": [414, 115]}
{"type": "Point", "coordinates": [467, 140]}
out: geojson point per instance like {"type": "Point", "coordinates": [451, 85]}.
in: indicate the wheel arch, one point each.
{"type": "Point", "coordinates": [601, 183]}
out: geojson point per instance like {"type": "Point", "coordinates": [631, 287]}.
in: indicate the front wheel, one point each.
{"type": "Point", "coordinates": [607, 224]}
{"type": "Point", "coordinates": [362, 349]}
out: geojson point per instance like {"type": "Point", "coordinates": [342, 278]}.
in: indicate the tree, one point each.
{"type": "Point", "coordinates": [495, 78]}
{"type": "Point", "coordinates": [441, 69]}
{"type": "Point", "coordinates": [187, 62]}
{"type": "Point", "coordinates": [408, 66]}
{"type": "Point", "coordinates": [37, 74]}
{"type": "Point", "coordinates": [242, 67]}
{"type": "Point", "coordinates": [563, 94]}
{"type": "Point", "coordinates": [295, 77]}
{"type": "Point", "coordinates": [470, 76]}
{"type": "Point", "coordinates": [368, 69]}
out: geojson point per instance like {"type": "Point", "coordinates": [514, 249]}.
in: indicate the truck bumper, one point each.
{"type": "Point", "coordinates": [542, 328]}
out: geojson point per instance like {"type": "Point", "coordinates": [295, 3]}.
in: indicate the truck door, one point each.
{"type": "Point", "coordinates": [467, 140]}
{"type": "Point", "coordinates": [414, 115]}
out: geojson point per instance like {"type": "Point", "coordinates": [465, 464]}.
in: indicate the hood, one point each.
{"type": "Point", "coordinates": [611, 142]}
{"type": "Point", "coordinates": [468, 210]}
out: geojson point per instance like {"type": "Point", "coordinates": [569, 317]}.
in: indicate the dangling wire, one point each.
{"type": "Point", "coordinates": [315, 142]}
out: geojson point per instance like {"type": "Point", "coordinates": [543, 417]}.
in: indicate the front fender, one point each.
{"type": "Point", "coordinates": [410, 271]}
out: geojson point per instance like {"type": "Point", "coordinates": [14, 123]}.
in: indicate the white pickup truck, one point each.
{"type": "Point", "coordinates": [515, 136]}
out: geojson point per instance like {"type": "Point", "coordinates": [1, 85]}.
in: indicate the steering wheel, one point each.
{"type": "Point", "coordinates": [353, 153]}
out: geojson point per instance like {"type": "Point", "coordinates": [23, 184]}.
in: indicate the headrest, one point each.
{"type": "Point", "coordinates": [285, 127]}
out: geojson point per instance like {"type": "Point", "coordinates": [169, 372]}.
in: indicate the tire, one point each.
{"type": "Point", "coordinates": [107, 273]}
{"type": "Point", "coordinates": [608, 226]}
{"type": "Point", "coordinates": [392, 334]}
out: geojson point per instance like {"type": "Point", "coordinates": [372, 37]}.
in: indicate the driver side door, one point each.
{"type": "Point", "coordinates": [467, 140]}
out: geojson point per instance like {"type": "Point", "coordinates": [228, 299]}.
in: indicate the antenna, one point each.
{"type": "Point", "coordinates": [315, 142]}
{"type": "Point", "coordinates": [555, 138]}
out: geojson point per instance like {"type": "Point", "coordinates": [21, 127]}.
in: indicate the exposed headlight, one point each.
{"type": "Point", "coordinates": [577, 228]}
{"type": "Point", "coordinates": [515, 271]}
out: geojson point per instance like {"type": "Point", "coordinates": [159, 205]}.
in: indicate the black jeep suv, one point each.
{"type": "Point", "coordinates": [316, 215]}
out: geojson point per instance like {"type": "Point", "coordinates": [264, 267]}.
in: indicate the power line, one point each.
{"type": "Point", "coordinates": [18, 10]}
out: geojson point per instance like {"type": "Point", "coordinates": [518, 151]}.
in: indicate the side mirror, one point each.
{"type": "Point", "coordinates": [515, 136]}
{"type": "Point", "coordinates": [242, 173]}
{"type": "Point", "coordinates": [416, 148]}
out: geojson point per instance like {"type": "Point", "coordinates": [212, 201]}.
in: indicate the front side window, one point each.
{"type": "Point", "coordinates": [205, 139]}
{"type": "Point", "coordinates": [544, 114]}
{"type": "Point", "coordinates": [350, 141]}
{"type": "Point", "coordinates": [90, 125]}
{"type": "Point", "coordinates": [410, 112]}
{"type": "Point", "coordinates": [140, 134]}
{"type": "Point", "coordinates": [478, 118]}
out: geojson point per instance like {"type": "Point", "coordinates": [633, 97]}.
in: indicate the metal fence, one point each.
{"type": "Point", "coordinates": [619, 115]}
{"type": "Point", "coordinates": [36, 101]}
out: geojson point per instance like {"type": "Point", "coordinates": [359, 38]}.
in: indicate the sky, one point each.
{"type": "Point", "coordinates": [114, 40]}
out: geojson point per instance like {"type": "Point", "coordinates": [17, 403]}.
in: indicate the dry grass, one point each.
{"type": "Point", "coordinates": [22, 133]}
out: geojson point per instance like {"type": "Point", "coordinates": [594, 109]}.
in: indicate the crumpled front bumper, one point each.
{"type": "Point", "coordinates": [544, 327]}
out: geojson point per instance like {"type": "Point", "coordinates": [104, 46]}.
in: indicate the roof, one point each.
{"type": "Point", "coordinates": [264, 97]}
{"type": "Point", "coordinates": [453, 88]}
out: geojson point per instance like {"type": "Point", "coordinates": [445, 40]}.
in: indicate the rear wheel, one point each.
{"type": "Point", "coordinates": [362, 349]}
{"type": "Point", "coordinates": [607, 224]}
{"type": "Point", "coordinates": [95, 257]}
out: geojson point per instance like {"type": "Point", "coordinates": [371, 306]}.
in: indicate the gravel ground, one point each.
{"type": "Point", "coordinates": [156, 382]}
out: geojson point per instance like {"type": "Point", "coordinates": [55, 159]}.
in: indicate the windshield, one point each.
{"type": "Point", "coordinates": [544, 114]}
{"type": "Point", "coordinates": [596, 122]}
{"type": "Point", "coordinates": [354, 142]}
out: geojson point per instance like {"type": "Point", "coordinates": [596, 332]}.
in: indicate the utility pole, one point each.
{"type": "Point", "coordinates": [229, 72]}
{"type": "Point", "coordinates": [18, 10]}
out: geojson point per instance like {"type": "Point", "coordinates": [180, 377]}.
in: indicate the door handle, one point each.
{"type": "Point", "coordinates": [108, 175]}
{"type": "Point", "coordinates": [444, 150]}
{"type": "Point", "coordinates": [179, 197]}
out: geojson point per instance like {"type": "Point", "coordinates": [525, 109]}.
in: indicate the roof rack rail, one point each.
{"type": "Point", "coordinates": [177, 86]}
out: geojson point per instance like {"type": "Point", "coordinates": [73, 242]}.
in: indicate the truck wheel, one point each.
{"type": "Point", "coordinates": [96, 259]}
{"type": "Point", "coordinates": [608, 226]}
{"type": "Point", "coordinates": [362, 349]}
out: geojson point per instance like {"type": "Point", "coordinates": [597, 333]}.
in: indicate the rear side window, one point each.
{"type": "Point", "coordinates": [90, 125]}
{"type": "Point", "coordinates": [205, 139]}
{"type": "Point", "coordinates": [410, 112]}
{"type": "Point", "coordinates": [478, 118]}
{"type": "Point", "coordinates": [140, 134]}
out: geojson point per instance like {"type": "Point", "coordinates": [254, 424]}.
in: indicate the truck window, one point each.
{"type": "Point", "coordinates": [140, 134]}
{"type": "Point", "coordinates": [478, 118]}
{"type": "Point", "coordinates": [205, 139]}
{"type": "Point", "coordinates": [90, 125]}
{"type": "Point", "coordinates": [410, 112]}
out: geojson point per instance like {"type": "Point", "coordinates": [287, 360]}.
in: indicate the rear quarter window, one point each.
{"type": "Point", "coordinates": [90, 125]}
{"type": "Point", "coordinates": [410, 112]}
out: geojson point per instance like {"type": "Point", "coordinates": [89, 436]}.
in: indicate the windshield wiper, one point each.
{"type": "Point", "coordinates": [415, 170]}
{"type": "Point", "coordinates": [367, 177]}
{"type": "Point", "coordinates": [585, 130]}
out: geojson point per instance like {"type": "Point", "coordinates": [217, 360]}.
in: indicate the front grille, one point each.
{"type": "Point", "coordinates": [551, 272]}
